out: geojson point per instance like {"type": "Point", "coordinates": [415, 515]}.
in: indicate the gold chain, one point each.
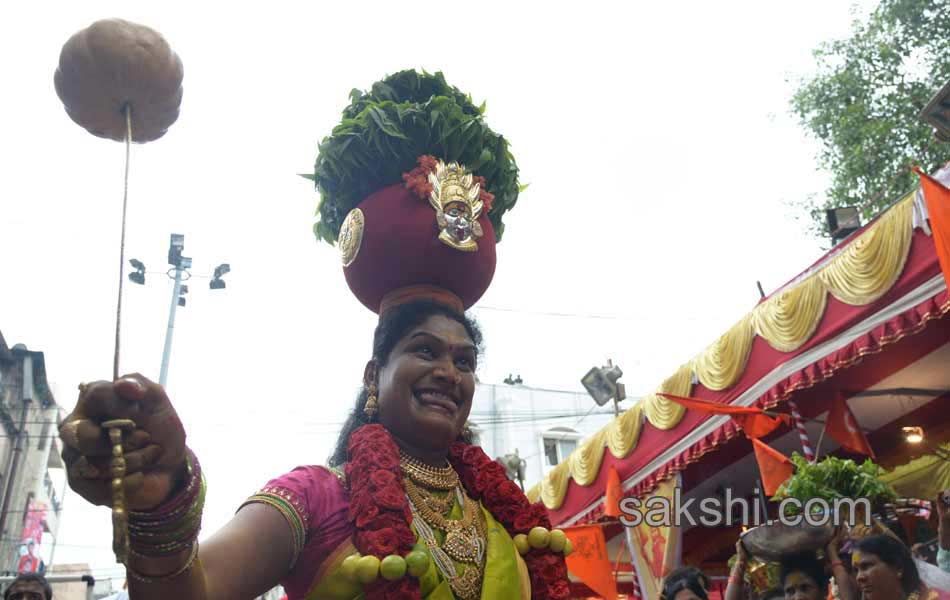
{"type": "Point", "coordinates": [465, 539]}
{"type": "Point", "coordinates": [440, 505]}
{"type": "Point", "coordinates": [439, 478]}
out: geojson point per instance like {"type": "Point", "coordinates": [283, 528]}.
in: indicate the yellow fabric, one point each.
{"type": "Point", "coordinates": [585, 461]}
{"type": "Point", "coordinates": [723, 362]}
{"type": "Point", "coordinates": [860, 274]}
{"type": "Point", "coordinates": [624, 431]}
{"type": "Point", "coordinates": [524, 577]}
{"type": "Point", "coordinates": [923, 477]}
{"type": "Point", "coordinates": [534, 493]}
{"type": "Point", "coordinates": [554, 485]}
{"type": "Point", "coordinates": [662, 413]}
{"type": "Point", "coordinates": [788, 320]}
{"type": "Point", "coordinates": [867, 268]}
{"type": "Point", "coordinates": [505, 577]}
{"type": "Point", "coordinates": [655, 548]}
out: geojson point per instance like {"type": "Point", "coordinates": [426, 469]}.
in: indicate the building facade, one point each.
{"type": "Point", "coordinates": [542, 426]}
{"type": "Point", "coordinates": [30, 501]}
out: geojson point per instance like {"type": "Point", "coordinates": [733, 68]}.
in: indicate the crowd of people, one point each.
{"type": "Point", "coordinates": [881, 567]}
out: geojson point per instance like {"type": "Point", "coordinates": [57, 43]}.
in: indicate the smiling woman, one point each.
{"type": "Point", "coordinates": [407, 507]}
{"type": "Point", "coordinates": [411, 339]}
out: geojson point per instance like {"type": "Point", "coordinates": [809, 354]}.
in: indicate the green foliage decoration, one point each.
{"type": "Point", "coordinates": [835, 478]}
{"type": "Point", "coordinates": [864, 101]}
{"type": "Point", "coordinates": [385, 130]}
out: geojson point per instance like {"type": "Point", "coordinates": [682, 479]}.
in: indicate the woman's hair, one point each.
{"type": "Point", "coordinates": [393, 325]}
{"type": "Point", "coordinates": [685, 578]}
{"type": "Point", "coordinates": [894, 553]}
{"type": "Point", "coordinates": [810, 566]}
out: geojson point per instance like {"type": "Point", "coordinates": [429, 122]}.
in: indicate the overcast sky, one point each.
{"type": "Point", "coordinates": [657, 141]}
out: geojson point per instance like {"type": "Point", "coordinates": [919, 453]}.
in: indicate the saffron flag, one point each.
{"type": "Point", "coordinates": [774, 466]}
{"type": "Point", "coordinates": [753, 420]}
{"type": "Point", "coordinates": [656, 549]}
{"type": "Point", "coordinates": [715, 408]}
{"type": "Point", "coordinates": [937, 198]}
{"type": "Point", "coordinates": [589, 561]}
{"type": "Point", "coordinates": [842, 427]}
{"type": "Point", "coordinates": [759, 425]}
{"type": "Point", "coordinates": [614, 494]}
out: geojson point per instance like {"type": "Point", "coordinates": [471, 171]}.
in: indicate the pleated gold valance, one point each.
{"type": "Point", "coordinates": [723, 362]}
{"type": "Point", "coordinates": [870, 265]}
{"type": "Point", "coordinates": [860, 274]}
{"type": "Point", "coordinates": [624, 431]}
{"type": "Point", "coordinates": [554, 485]}
{"type": "Point", "coordinates": [585, 461]}
{"type": "Point", "coordinates": [788, 320]}
{"type": "Point", "coordinates": [662, 413]}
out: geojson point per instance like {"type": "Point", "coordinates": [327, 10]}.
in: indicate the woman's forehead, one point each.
{"type": "Point", "coordinates": [442, 328]}
{"type": "Point", "coordinates": [797, 578]}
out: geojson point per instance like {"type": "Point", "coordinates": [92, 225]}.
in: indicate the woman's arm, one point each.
{"type": "Point", "coordinates": [843, 580]}
{"type": "Point", "coordinates": [243, 560]}
{"type": "Point", "coordinates": [943, 532]}
{"type": "Point", "coordinates": [736, 584]}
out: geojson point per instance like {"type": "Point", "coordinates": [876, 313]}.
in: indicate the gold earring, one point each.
{"type": "Point", "coordinates": [372, 407]}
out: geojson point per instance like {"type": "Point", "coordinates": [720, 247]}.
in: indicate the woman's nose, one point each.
{"type": "Point", "coordinates": [446, 370]}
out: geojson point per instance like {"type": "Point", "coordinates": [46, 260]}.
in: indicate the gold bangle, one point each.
{"type": "Point", "coordinates": [192, 556]}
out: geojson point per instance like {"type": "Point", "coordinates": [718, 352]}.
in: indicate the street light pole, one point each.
{"type": "Point", "coordinates": [163, 376]}
{"type": "Point", "coordinates": [180, 264]}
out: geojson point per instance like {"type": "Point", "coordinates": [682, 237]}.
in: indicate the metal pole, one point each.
{"type": "Point", "coordinates": [59, 519]}
{"type": "Point", "coordinates": [163, 376]}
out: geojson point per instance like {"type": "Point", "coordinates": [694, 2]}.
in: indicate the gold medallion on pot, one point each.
{"type": "Point", "coordinates": [351, 236]}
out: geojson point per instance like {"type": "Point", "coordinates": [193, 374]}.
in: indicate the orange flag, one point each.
{"type": "Point", "coordinates": [774, 466]}
{"type": "Point", "coordinates": [715, 408]}
{"type": "Point", "coordinates": [937, 198]}
{"type": "Point", "coordinates": [753, 420]}
{"type": "Point", "coordinates": [614, 494]}
{"type": "Point", "coordinates": [842, 427]}
{"type": "Point", "coordinates": [589, 561]}
{"type": "Point", "coordinates": [760, 425]}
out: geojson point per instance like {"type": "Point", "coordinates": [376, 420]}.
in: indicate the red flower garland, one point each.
{"type": "Point", "coordinates": [379, 509]}
{"type": "Point", "coordinates": [380, 513]}
{"type": "Point", "coordinates": [417, 181]}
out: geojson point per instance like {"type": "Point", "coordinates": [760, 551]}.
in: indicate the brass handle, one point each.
{"type": "Point", "coordinates": [120, 515]}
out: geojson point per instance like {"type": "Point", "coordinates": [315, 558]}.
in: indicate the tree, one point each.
{"type": "Point", "coordinates": [864, 104]}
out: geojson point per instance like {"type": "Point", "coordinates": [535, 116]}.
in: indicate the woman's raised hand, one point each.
{"type": "Point", "coordinates": [154, 451]}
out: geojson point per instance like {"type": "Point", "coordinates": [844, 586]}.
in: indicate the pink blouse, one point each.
{"type": "Point", "coordinates": [315, 504]}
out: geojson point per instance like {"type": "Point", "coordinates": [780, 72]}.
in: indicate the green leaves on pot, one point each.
{"type": "Point", "coordinates": [385, 130]}
{"type": "Point", "coordinates": [834, 478]}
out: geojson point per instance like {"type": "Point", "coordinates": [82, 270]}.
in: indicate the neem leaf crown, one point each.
{"type": "Point", "coordinates": [384, 132]}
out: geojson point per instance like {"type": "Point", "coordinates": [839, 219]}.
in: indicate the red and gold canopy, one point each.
{"type": "Point", "coordinates": [871, 309]}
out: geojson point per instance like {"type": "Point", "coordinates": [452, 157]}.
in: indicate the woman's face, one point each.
{"type": "Point", "coordinates": [876, 579]}
{"type": "Point", "coordinates": [801, 586]}
{"type": "Point", "coordinates": [426, 387]}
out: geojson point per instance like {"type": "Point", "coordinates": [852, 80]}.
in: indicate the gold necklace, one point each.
{"type": "Point", "coordinates": [439, 504]}
{"type": "Point", "coordinates": [465, 541]}
{"type": "Point", "coordinates": [439, 478]}
{"type": "Point", "coordinates": [463, 538]}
